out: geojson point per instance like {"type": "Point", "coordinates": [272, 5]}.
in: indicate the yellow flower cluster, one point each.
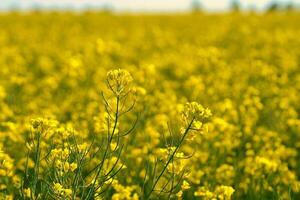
{"type": "Point", "coordinates": [124, 192]}
{"type": "Point", "coordinates": [204, 106]}
{"type": "Point", "coordinates": [62, 192]}
{"type": "Point", "coordinates": [220, 193]}
{"type": "Point", "coordinates": [119, 80]}
{"type": "Point", "coordinates": [6, 170]}
{"type": "Point", "coordinates": [60, 157]}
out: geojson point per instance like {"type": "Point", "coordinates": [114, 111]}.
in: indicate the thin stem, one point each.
{"type": "Point", "coordinates": [170, 158]}
{"type": "Point", "coordinates": [107, 148]}
{"type": "Point", "coordinates": [36, 166]}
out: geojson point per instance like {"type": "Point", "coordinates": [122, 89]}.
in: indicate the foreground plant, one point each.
{"type": "Point", "coordinates": [59, 167]}
{"type": "Point", "coordinates": [194, 117]}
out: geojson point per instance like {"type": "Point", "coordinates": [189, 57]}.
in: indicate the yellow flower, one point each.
{"type": "Point", "coordinates": [113, 145]}
{"type": "Point", "coordinates": [185, 185]}
{"type": "Point", "coordinates": [224, 192]}
{"type": "Point", "coordinates": [179, 194]}
{"type": "Point", "coordinates": [61, 191]}
{"type": "Point", "coordinates": [27, 192]}
{"type": "Point", "coordinates": [67, 192]}
{"type": "Point", "coordinates": [66, 166]}
{"type": "Point", "coordinates": [73, 166]}
{"type": "Point", "coordinates": [57, 188]}
{"type": "Point", "coordinates": [1, 155]}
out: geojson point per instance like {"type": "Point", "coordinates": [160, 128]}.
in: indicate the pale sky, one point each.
{"type": "Point", "coordinates": [135, 5]}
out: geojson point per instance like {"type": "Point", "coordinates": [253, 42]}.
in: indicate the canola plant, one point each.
{"type": "Point", "coordinates": [119, 106]}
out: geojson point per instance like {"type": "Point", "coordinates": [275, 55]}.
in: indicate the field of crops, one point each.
{"type": "Point", "coordinates": [185, 106]}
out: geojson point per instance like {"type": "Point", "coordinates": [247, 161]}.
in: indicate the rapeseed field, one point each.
{"type": "Point", "coordinates": [134, 106]}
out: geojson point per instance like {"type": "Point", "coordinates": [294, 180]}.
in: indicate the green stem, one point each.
{"type": "Point", "coordinates": [107, 147]}
{"type": "Point", "coordinates": [170, 159]}
{"type": "Point", "coordinates": [36, 167]}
